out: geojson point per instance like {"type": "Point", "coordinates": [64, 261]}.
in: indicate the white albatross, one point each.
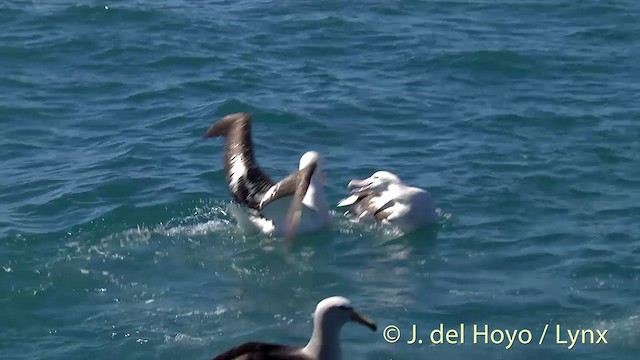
{"type": "Point", "coordinates": [330, 315]}
{"type": "Point", "coordinates": [386, 199]}
{"type": "Point", "coordinates": [296, 203]}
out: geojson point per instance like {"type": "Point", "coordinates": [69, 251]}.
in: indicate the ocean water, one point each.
{"type": "Point", "coordinates": [522, 119]}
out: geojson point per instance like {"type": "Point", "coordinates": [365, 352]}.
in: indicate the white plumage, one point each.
{"type": "Point", "coordinates": [386, 199]}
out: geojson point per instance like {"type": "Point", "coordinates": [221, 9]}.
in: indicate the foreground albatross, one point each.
{"type": "Point", "coordinates": [295, 203]}
{"type": "Point", "coordinates": [330, 315]}
{"type": "Point", "coordinates": [385, 198]}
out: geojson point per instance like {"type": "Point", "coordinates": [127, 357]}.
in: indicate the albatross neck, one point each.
{"type": "Point", "coordinates": [315, 196]}
{"type": "Point", "coordinates": [325, 342]}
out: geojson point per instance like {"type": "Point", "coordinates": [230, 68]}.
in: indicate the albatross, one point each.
{"type": "Point", "coordinates": [386, 199]}
{"type": "Point", "coordinates": [296, 203]}
{"type": "Point", "coordinates": [330, 315]}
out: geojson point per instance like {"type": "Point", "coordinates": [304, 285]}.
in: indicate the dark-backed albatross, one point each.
{"type": "Point", "coordinates": [384, 197]}
{"type": "Point", "coordinates": [296, 203]}
{"type": "Point", "coordinates": [330, 315]}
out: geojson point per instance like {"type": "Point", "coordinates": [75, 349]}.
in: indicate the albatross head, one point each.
{"type": "Point", "coordinates": [330, 315]}
{"type": "Point", "coordinates": [312, 157]}
{"type": "Point", "coordinates": [379, 181]}
{"type": "Point", "coordinates": [336, 311]}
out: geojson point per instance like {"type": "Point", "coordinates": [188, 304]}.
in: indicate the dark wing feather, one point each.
{"type": "Point", "coordinates": [261, 351]}
{"type": "Point", "coordinates": [223, 126]}
{"type": "Point", "coordinates": [296, 185]}
{"type": "Point", "coordinates": [253, 183]}
{"type": "Point", "coordinates": [382, 213]}
{"type": "Point", "coordinates": [365, 203]}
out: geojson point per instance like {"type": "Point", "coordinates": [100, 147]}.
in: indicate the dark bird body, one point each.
{"type": "Point", "coordinates": [262, 351]}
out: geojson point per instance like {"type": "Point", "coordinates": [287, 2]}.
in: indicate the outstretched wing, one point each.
{"type": "Point", "coordinates": [245, 179]}
{"type": "Point", "coordinates": [296, 186]}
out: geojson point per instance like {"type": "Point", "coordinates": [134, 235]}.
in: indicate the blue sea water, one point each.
{"type": "Point", "coordinates": [522, 118]}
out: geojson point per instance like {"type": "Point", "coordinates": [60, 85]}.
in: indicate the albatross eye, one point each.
{"type": "Point", "coordinates": [345, 307]}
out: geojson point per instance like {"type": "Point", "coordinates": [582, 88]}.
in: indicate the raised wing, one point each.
{"type": "Point", "coordinates": [245, 179]}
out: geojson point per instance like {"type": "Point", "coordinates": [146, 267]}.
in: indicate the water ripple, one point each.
{"type": "Point", "coordinates": [521, 118]}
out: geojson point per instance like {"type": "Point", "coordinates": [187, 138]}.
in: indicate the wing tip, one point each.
{"type": "Point", "coordinates": [292, 225]}
{"type": "Point", "coordinates": [221, 127]}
